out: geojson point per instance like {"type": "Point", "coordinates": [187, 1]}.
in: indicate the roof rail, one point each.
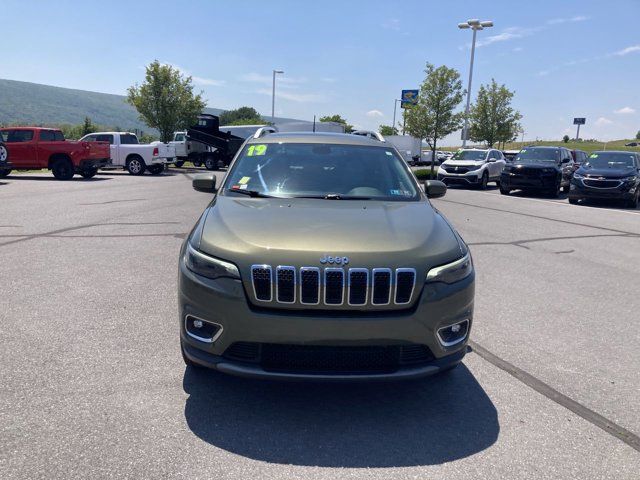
{"type": "Point", "coordinates": [369, 134]}
{"type": "Point", "coordinates": [262, 131]}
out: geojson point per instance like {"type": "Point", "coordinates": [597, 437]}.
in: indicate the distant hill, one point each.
{"type": "Point", "coordinates": [37, 104]}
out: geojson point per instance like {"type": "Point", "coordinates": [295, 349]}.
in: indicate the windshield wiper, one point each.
{"type": "Point", "coordinates": [251, 193]}
{"type": "Point", "coordinates": [334, 196]}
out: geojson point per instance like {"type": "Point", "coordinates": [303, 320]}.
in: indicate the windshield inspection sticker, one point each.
{"type": "Point", "coordinates": [389, 153]}
{"type": "Point", "coordinates": [593, 155]}
{"type": "Point", "coordinates": [244, 180]}
{"type": "Point", "coordinates": [256, 150]}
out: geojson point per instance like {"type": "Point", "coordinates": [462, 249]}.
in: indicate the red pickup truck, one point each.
{"type": "Point", "coordinates": [32, 148]}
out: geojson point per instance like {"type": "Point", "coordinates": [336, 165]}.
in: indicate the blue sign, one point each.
{"type": "Point", "coordinates": [409, 98]}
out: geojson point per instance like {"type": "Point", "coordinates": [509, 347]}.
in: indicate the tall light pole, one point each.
{"type": "Point", "coordinates": [475, 25]}
{"type": "Point", "coordinates": [273, 96]}
{"type": "Point", "coordinates": [393, 125]}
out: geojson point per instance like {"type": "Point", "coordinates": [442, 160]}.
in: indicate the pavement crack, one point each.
{"type": "Point", "coordinates": [554, 395]}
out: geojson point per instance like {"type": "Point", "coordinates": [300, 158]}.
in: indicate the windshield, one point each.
{"type": "Point", "coordinates": [610, 160]}
{"type": "Point", "coordinates": [242, 132]}
{"type": "Point", "coordinates": [470, 155]}
{"type": "Point", "coordinates": [322, 171]}
{"type": "Point", "coordinates": [537, 155]}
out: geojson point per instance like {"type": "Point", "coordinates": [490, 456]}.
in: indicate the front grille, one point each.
{"type": "Point", "coordinates": [321, 359]}
{"type": "Point", "coordinates": [528, 172]}
{"type": "Point", "coordinates": [381, 286]}
{"type": "Point", "coordinates": [405, 280]}
{"type": "Point", "coordinates": [601, 183]}
{"type": "Point", "coordinates": [333, 286]}
{"type": "Point", "coordinates": [286, 284]}
{"type": "Point", "coordinates": [261, 277]}
{"type": "Point", "coordinates": [310, 285]}
{"type": "Point", "coordinates": [451, 169]}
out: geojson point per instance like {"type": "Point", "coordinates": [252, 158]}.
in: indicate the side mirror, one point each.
{"type": "Point", "coordinates": [205, 183]}
{"type": "Point", "coordinates": [435, 188]}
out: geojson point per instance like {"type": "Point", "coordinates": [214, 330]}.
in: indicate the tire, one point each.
{"type": "Point", "coordinates": [197, 164]}
{"type": "Point", "coordinates": [633, 203]}
{"type": "Point", "coordinates": [90, 173]}
{"type": "Point", "coordinates": [155, 169]}
{"type": "Point", "coordinates": [211, 163]}
{"type": "Point", "coordinates": [504, 191]}
{"type": "Point", "coordinates": [135, 165]}
{"type": "Point", "coordinates": [5, 172]}
{"type": "Point", "coordinates": [4, 154]}
{"type": "Point", "coordinates": [573, 201]}
{"type": "Point", "coordinates": [484, 181]}
{"type": "Point", "coordinates": [179, 163]}
{"type": "Point", "coordinates": [62, 169]}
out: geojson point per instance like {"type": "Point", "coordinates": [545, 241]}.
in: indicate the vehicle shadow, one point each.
{"type": "Point", "coordinates": [51, 178]}
{"type": "Point", "coordinates": [426, 422]}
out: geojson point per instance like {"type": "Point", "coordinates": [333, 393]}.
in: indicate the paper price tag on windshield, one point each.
{"type": "Point", "coordinates": [256, 150]}
{"type": "Point", "coordinates": [244, 180]}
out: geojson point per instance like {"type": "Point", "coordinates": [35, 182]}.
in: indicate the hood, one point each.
{"type": "Point", "coordinates": [612, 173]}
{"type": "Point", "coordinates": [298, 232]}
{"type": "Point", "coordinates": [464, 163]}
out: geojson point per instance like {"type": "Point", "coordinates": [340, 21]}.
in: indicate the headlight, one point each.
{"type": "Point", "coordinates": [577, 176]}
{"type": "Point", "coordinates": [207, 266]}
{"type": "Point", "coordinates": [630, 179]}
{"type": "Point", "coordinates": [452, 272]}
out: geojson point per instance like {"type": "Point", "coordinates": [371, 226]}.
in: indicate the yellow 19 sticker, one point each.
{"type": "Point", "coordinates": [256, 150]}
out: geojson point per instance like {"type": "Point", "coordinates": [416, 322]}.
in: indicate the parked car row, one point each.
{"type": "Point", "coordinates": [601, 175]}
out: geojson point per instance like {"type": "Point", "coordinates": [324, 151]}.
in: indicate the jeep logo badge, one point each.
{"type": "Point", "coordinates": [337, 260]}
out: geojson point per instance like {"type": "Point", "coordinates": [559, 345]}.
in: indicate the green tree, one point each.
{"type": "Point", "coordinates": [241, 116]}
{"type": "Point", "coordinates": [387, 130]}
{"type": "Point", "coordinates": [165, 101]}
{"type": "Point", "coordinates": [638, 135]}
{"type": "Point", "coordinates": [88, 127]}
{"type": "Point", "coordinates": [433, 117]}
{"type": "Point", "coordinates": [566, 139]}
{"type": "Point", "coordinates": [337, 119]}
{"type": "Point", "coordinates": [492, 118]}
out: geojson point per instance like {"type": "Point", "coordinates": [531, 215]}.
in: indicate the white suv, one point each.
{"type": "Point", "coordinates": [472, 166]}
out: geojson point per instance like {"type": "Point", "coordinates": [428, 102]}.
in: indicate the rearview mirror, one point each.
{"type": "Point", "coordinates": [435, 188]}
{"type": "Point", "coordinates": [205, 183]}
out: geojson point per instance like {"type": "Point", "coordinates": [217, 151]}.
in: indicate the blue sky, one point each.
{"type": "Point", "coordinates": [563, 58]}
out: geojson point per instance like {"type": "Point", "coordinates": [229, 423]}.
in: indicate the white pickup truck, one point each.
{"type": "Point", "coordinates": [128, 153]}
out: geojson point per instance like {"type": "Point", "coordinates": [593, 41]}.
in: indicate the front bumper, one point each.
{"type": "Point", "coordinates": [528, 182]}
{"type": "Point", "coordinates": [223, 302]}
{"type": "Point", "coordinates": [469, 178]}
{"type": "Point", "coordinates": [579, 191]}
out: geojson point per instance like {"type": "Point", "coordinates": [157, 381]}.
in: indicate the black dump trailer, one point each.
{"type": "Point", "coordinates": [221, 146]}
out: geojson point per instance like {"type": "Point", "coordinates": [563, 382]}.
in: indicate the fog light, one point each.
{"type": "Point", "coordinates": [202, 330]}
{"type": "Point", "coordinates": [453, 334]}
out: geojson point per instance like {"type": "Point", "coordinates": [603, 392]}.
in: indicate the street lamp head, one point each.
{"type": "Point", "coordinates": [487, 23]}
{"type": "Point", "coordinates": [474, 22]}
{"type": "Point", "coordinates": [278, 71]}
{"type": "Point", "coordinates": [463, 25]}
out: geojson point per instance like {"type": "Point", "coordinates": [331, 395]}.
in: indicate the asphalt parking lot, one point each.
{"type": "Point", "coordinates": [92, 383]}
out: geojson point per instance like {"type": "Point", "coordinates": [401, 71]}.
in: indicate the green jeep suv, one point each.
{"type": "Point", "coordinates": [321, 257]}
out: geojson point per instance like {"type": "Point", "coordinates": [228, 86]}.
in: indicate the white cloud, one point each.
{"type": "Point", "coordinates": [268, 79]}
{"type": "Point", "coordinates": [375, 114]}
{"type": "Point", "coordinates": [627, 51]}
{"type": "Point", "coordinates": [602, 121]}
{"type": "Point", "coordinates": [392, 24]}
{"type": "Point", "coordinates": [577, 18]}
{"type": "Point", "coordinates": [196, 79]}
{"type": "Point", "coordinates": [625, 110]}
{"type": "Point", "coordinates": [294, 96]}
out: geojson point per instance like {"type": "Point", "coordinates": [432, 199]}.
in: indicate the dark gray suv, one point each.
{"type": "Point", "coordinates": [321, 257]}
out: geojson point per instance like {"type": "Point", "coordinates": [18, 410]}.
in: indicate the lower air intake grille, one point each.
{"type": "Point", "coordinates": [321, 359]}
